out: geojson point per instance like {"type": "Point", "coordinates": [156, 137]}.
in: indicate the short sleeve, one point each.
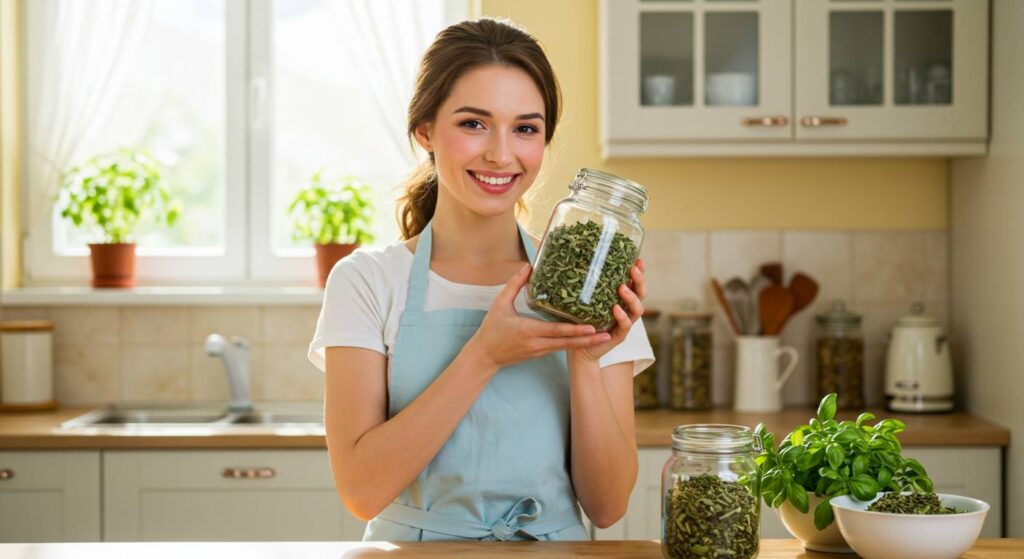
{"type": "Point", "coordinates": [353, 311]}
{"type": "Point", "coordinates": [636, 348]}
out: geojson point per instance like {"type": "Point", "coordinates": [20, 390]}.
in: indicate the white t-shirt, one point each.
{"type": "Point", "coordinates": [365, 296]}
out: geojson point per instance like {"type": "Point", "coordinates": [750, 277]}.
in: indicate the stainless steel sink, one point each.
{"type": "Point", "coordinates": [124, 417]}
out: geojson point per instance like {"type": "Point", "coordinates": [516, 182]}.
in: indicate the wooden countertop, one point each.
{"type": "Point", "coordinates": [770, 549]}
{"type": "Point", "coordinates": [41, 431]}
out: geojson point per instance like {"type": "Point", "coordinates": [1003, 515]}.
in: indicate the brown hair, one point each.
{"type": "Point", "coordinates": [456, 50]}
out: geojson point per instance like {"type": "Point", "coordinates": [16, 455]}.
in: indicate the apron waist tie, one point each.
{"type": "Point", "coordinates": [520, 520]}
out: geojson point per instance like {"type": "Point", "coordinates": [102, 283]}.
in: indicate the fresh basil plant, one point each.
{"type": "Point", "coordinates": [333, 211]}
{"type": "Point", "coordinates": [832, 458]}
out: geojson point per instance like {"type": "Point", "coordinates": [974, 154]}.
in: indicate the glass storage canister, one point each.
{"type": "Point", "coordinates": [645, 384]}
{"type": "Point", "coordinates": [840, 357]}
{"type": "Point", "coordinates": [711, 493]}
{"type": "Point", "coordinates": [690, 365]}
{"type": "Point", "coordinates": [592, 240]}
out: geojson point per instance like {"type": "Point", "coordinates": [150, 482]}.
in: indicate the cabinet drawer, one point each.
{"type": "Point", "coordinates": [50, 496]}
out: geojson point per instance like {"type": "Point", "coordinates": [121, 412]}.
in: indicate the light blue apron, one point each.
{"type": "Point", "coordinates": [504, 472]}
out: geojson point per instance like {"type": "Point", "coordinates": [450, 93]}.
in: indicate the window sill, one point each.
{"type": "Point", "coordinates": [166, 295]}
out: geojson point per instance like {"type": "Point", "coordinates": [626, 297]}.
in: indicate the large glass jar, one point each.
{"type": "Point", "coordinates": [645, 384]}
{"type": "Point", "coordinates": [840, 357]}
{"type": "Point", "coordinates": [592, 240]}
{"type": "Point", "coordinates": [710, 493]}
{"type": "Point", "coordinates": [690, 365]}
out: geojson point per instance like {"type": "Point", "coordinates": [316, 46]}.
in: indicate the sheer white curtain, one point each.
{"type": "Point", "coordinates": [83, 49]}
{"type": "Point", "coordinates": [386, 39]}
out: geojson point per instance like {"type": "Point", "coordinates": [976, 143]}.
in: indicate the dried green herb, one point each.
{"type": "Point", "coordinates": [579, 273]}
{"type": "Point", "coordinates": [691, 370]}
{"type": "Point", "coordinates": [911, 503]}
{"type": "Point", "coordinates": [708, 517]}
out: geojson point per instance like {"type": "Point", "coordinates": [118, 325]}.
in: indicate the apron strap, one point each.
{"type": "Point", "coordinates": [417, 294]}
{"type": "Point", "coordinates": [520, 520]}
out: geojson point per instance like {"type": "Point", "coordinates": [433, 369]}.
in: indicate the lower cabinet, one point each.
{"type": "Point", "coordinates": [971, 471]}
{"type": "Point", "coordinates": [245, 495]}
{"type": "Point", "coordinates": [49, 496]}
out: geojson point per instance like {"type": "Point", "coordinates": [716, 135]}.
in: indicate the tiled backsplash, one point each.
{"type": "Point", "coordinates": [131, 353]}
{"type": "Point", "coordinates": [878, 274]}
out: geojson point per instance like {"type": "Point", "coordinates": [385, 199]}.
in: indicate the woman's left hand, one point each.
{"type": "Point", "coordinates": [633, 298]}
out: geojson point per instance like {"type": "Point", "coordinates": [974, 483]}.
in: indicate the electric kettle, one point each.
{"type": "Point", "coordinates": [919, 370]}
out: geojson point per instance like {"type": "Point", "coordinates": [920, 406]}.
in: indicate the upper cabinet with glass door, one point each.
{"type": "Point", "coordinates": [892, 70]}
{"type": "Point", "coordinates": [871, 77]}
{"type": "Point", "coordinates": [694, 71]}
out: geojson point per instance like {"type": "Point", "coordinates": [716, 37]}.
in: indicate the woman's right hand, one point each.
{"type": "Point", "coordinates": [505, 338]}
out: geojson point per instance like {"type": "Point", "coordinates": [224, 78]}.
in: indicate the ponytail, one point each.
{"type": "Point", "coordinates": [416, 206]}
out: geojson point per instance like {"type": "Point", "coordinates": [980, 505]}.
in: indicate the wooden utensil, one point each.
{"type": "Point", "coordinates": [804, 289]}
{"type": "Point", "coordinates": [776, 304]}
{"type": "Point", "coordinates": [774, 272]}
{"type": "Point", "coordinates": [724, 303]}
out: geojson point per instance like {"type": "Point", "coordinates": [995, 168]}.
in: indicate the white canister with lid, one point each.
{"type": "Point", "coordinates": [919, 369]}
{"type": "Point", "coordinates": [26, 365]}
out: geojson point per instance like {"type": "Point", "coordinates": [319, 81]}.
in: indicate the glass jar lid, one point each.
{"type": "Point", "coordinates": [614, 186]}
{"type": "Point", "coordinates": [689, 312]}
{"type": "Point", "coordinates": [838, 315]}
{"type": "Point", "coordinates": [714, 438]}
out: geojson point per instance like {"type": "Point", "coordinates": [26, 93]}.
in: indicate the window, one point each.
{"type": "Point", "coordinates": [243, 101]}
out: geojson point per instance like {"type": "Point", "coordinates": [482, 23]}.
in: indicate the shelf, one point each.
{"type": "Point", "coordinates": [162, 295]}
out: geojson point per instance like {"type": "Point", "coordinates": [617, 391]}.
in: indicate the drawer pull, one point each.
{"type": "Point", "coordinates": [6, 473]}
{"type": "Point", "coordinates": [818, 121]}
{"type": "Point", "coordinates": [765, 121]}
{"type": "Point", "coordinates": [248, 473]}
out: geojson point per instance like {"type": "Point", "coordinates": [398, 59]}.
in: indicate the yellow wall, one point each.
{"type": "Point", "coordinates": [805, 193]}
{"type": "Point", "coordinates": [9, 146]}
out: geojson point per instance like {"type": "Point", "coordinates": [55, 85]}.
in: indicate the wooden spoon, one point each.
{"type": "Point", "coordinates": [804, 289]}
{"type": "Point", "coordinates": [776, 304]}
{"type": "Point", "coordinates": [720, 295]}
{"type": "Point", "coordinates": [774, 272]}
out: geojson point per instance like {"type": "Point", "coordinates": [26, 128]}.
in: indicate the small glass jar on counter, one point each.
{"type": "Point", "coordinates": [690, 364]}
{"type": "Point", "coordinates": [592, 240]}
{"type": "Point", "coordinates": [710, 493]}
{"type": "Point", "coordinates": [840, 357]}
{"type": "Point", "coordinates": [645, 384]}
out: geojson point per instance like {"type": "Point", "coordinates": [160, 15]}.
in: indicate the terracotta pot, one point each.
{"type": "Point", "coordinates": [328, 255]}
{"type": "Point", "coordinates": [113, 264]}
{"type": "Point", "coordinates": [801, 525]}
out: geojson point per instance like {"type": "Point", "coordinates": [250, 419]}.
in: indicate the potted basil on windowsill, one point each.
{"type": "Point", "coordinates": [828, 458]}
{"type": "Point", "coordinates": [107, 196]}
{"type": "Point", "coordinates": [334, 215]}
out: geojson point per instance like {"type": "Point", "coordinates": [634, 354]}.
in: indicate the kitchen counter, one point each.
{"type": "Point", "coordinates": [770, 549]}
{"type": "Point", "coordinates": [653, 429]}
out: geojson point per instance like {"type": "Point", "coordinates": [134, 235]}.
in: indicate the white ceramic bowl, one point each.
{"type": "Point", "coordinates": [882, 535]}
{"type": "Point", "coordinates": [731, 89]}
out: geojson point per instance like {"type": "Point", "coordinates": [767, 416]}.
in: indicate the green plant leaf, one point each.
{"type": "Point", "coordinates": [827, 407]}
{"type": "Point", "coordinates": [823, 515]}
{"type": "Point", "coordinates": [835, 455]}
{"type": "Point", "coordinates": [797, 496]}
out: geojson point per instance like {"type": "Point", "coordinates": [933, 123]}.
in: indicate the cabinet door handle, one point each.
{"type": "Point", "coordinates": [6, 473]}
{"type": "Point", "coordinates": [248, 473]}
{"type": "Point", "coordinates": [817, 121]}
{"type": "Point", "coordinates": [765, 121]}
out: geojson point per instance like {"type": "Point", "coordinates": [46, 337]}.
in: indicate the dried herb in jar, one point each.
{"type": "Point", "coordinates": [912, 503]}
{"type": "Point", "coordinates": [708, 517]}
{"type": "Point", "coordinates": [579, 274]}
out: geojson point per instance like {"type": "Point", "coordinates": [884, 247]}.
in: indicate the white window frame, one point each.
{"type": "Point", "coordinates": [248, 257]}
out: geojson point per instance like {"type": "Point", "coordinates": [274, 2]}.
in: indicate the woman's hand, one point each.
{"type": "Point", "coordinates": [623, 320]}
{"type": "Point", "coordinates": [505, 338]}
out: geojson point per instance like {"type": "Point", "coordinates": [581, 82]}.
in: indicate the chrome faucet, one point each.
{"type": "Point", "coordinates": [236, 364]}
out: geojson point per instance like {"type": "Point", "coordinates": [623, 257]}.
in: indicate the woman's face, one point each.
{"type": "Point", "coordinates": [488, 138]}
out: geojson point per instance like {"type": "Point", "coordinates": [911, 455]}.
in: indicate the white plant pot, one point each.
{"type": "Point", "coordinates": [801, 525]}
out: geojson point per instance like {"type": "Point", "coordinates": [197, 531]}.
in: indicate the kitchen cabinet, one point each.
{"type": "Point", "coordinates": [971, 471]}
{"type": "Point", "coordinates": [786, 77]}
{"type": "Point", "coordinates": [50, 496]}
{"type": "Point", "coordinates": [204, 495]}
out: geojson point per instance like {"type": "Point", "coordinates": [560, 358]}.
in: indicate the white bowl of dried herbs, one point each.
{"type": "Point", "coordinates": [910, 525]}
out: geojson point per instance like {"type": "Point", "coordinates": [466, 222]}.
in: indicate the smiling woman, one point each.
{"type": "Point", "coordinates": [452, 410]}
